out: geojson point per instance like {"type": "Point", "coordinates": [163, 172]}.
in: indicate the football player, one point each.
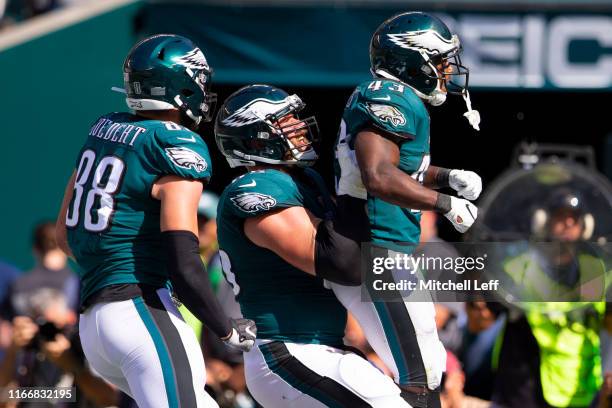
{"type": "Point", "coordinates": [277, 245]}
{"type": "Point", "coordinates": [129, 218]}
{"type": "Point", "coordinates": [385, 180]}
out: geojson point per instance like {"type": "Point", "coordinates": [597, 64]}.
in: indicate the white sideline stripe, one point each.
{"type": "Point", "coordinates": [55, 20]}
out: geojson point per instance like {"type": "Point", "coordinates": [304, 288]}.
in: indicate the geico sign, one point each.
{"type": "Point", "coordinates": [535, 51]}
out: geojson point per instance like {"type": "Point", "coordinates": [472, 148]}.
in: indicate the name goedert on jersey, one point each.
{"type": "Point", "coordinates": [123, 133]}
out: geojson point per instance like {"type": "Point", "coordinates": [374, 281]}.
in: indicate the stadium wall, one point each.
{"type": "Point", "coordinates": [56, 74]}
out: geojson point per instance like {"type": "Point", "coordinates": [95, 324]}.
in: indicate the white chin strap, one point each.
{"type": "Point", "coordinates": [438, 97]}
{"type": "Point", "coordinates": [152, 104]}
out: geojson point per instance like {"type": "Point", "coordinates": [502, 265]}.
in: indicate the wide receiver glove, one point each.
{"type": "Point", "coordinates": [466, 183]}
{"type": "Point", "coordinates": [243, 334]}
{"type": "Point", "coordinates": [462, 214]}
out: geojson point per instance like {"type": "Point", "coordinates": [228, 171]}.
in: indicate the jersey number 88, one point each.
{"type": "Point", "coordinates": [99, 201]}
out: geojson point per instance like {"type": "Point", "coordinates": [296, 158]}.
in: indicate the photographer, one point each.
{"type": "Point", "coordinates": [45, 352]}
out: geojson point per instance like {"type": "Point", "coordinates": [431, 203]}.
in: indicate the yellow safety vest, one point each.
{"type": "Point", "coordinates": [567, 333]}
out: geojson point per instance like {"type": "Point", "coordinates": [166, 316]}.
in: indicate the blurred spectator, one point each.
{"type": "Point", "coordinates": [429, 234]}
{"type": "Point", "coordinates": [452, 395]}
{"type": "Point", "coordinates": [478, 352]}
{"type": "Point", "coordinates": [448, 318]}
{"type": "Point", "coordinates": [604, 398]}
{"type": "Point", "coordinates": [8, 273]}
{"type": "Point", "coordinates": [16, 11]}
{"type": "Point", "coordinates": [45, 351]}
{"type": "Point", "coordinates": [354, 337]}
{"type": "Point", "coordinates": [51, 271]}
{"type": "Point", "coordinates": [550, 354]}
{"type": "Point", "coordinates": [207, 225]}
{"type": "Point", "coordinates": [453, 387]}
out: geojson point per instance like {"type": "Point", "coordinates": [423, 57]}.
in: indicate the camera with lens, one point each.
{"type": "Point", "coordinates": [46, 332]}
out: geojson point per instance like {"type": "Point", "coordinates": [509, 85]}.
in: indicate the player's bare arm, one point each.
{"type": "Point", "coordinates": [289, 233]}
{"type": "Point", "coordinates": [308, 243]}
{"type": "Point", "coordinates": [179, 203]}
{"type": "Point", "coordinates": [60, 224]}
{"type": "Point", "coordinates": [378, 158]}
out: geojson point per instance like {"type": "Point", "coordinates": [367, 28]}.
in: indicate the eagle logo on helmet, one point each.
{"type": "Point", "coordinates": [193, 59]}
{"type": "Point", "coordinates": [387, 113]}
{"type": "Point", "coordinates": [427, 40]}
{"type": "Point", "coordinates": [186, 158]}
{"type": "Point", "coordinates": [252, 202]}
{"type": "Point", "coordinates": [256, 110]}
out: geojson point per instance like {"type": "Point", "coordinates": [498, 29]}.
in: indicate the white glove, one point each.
{"type": "Point", "coordinates": [462, 214]}
{"type": "Point", "coordinates": [243, 334]}
{"type": "Point", "coordinates": [473, 116]}
{"type": "Point", "coordinates": [466, 183]}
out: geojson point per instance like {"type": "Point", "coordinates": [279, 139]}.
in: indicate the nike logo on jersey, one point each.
{"type": "Point", "coordinates": [386, 98]}
{"type": "Point", "coordinates": [187, 139]}
{"type": "Point", "coordinates": [251, 184]}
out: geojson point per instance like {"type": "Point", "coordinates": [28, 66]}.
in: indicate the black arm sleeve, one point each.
{"type": "Point", "coordinates": [190, 280]}
{"type": "Point", "coordinates": [337, 257]}
{"type": "Point", "coordinates": [443, 177]}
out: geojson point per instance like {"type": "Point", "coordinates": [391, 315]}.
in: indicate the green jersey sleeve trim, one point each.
{"type": "Point", "coordinates": [395, 137]}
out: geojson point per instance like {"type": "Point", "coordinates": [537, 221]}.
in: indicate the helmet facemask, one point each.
{"type": "Point", "coordinates": [266, 131]}
{"type": "Point", "coordinates": [304, 154]}
{"type": "Point", "coordinates": [449, 71]}
{"type": "Point", "coordinates": [197, 105]}
{"type": "Point", "coordinates": [452, 77]}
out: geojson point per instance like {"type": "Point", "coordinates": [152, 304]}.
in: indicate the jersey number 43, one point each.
{"type": "Point", "coordinates": [97, 189]}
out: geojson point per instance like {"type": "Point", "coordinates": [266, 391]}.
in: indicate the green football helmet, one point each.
{"type": "Point", "coordinates": [167, 71]}
{"type": "Point", "coordinates": [420, 51]}
{"type": "Point", "coordinates": [248, 132]}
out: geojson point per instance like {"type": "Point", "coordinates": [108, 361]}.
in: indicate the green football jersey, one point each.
{"type": "Point", "coordinates": [112, 220]}
{"type": "Point", "coordinates": [395, 109]}
{"type": "Point", "coordinates": [286, 303]}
